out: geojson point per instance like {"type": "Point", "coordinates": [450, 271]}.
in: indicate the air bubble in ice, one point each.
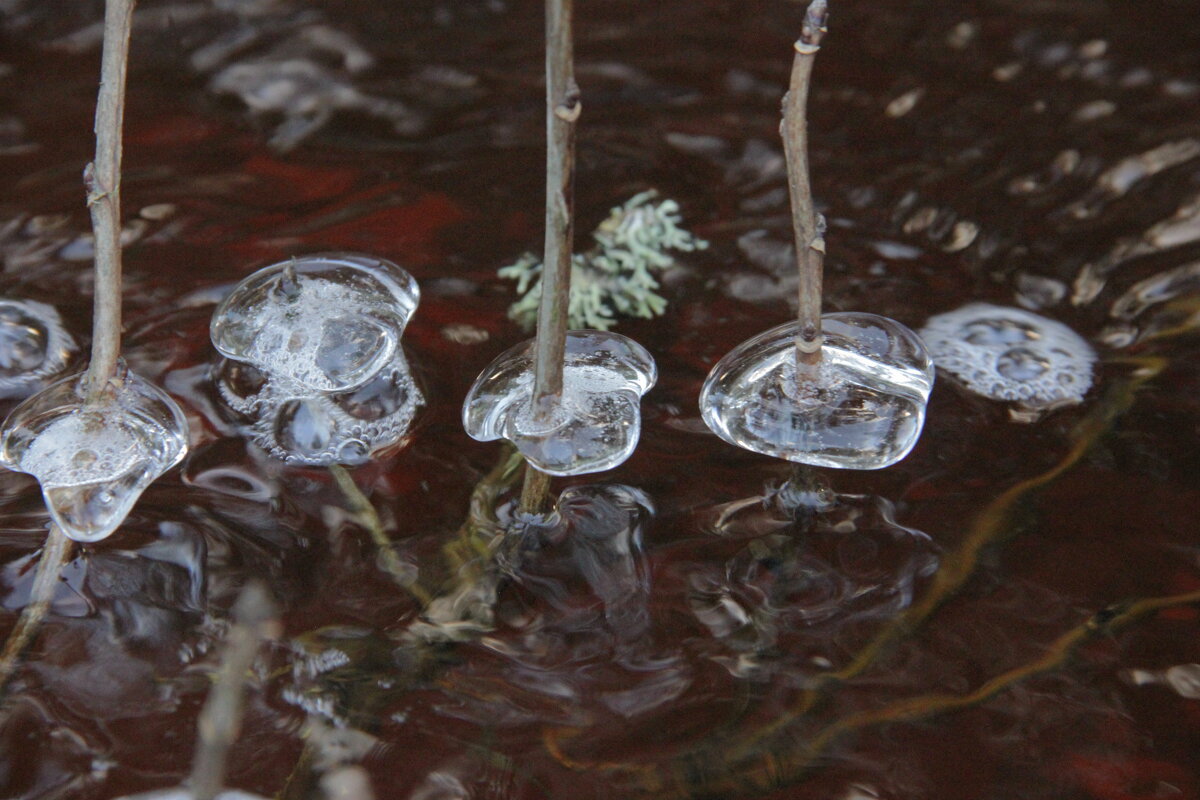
{"type": "Point", "coordinates": [93, 458]}
{"type": "Point", "coordinates": [313, 357]}
{"type": "Point", "coordinates": [863, 409]}
{"type": "Point", "coordinates": [595, 425]}
{"type": "Point", "coordinates": [330, 322]}
{"type": "Point", "coordinates": [1011, 354]}
{"type": "Point", "coordinates": [34, 346]}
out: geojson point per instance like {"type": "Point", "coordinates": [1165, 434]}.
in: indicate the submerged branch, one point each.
{"type": "Point", "coordinates": [55, 555]}
{"type": "Point", "coordinates": [255, 619]}
{"type": "Point", "coordinates": [102, 178]}
{"type": "Point", "coordinates": [365, 515]}
{"type": "Point", "coordinates": [777, 766]}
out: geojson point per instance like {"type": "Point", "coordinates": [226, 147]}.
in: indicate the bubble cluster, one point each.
{"type": "Point", "coordinates": [34, 346]}
{"type": "Point", "coordinates": [313, 358]}
{"type": "Point", "coordinates": [597, 421]}
{"type": "Point", "coordinates": [863, 408]}
{"type": "Point", "coordinates": [1012, 355]}
{"type": "Point", "coordinates": [94, 456]}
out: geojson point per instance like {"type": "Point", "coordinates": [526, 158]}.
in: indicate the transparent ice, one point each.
{"type": "Point", "coordinates": [1011, 354]}
{"type": "Point", "coordinates": [863, 408]}
{"type": "Point", "coordinates": [313, 358]}
{"type": "Point", "coordinates": [596, 424]}
{"type": "Point", "coordinates": [94, 458]}
{"type": "Point", "coordinates": [34, 346]}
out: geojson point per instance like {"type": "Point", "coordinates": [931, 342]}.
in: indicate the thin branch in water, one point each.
{"type": "Point", "coordinates": [255, 619]}
{"type": "Point", "coordinates": [807, 226]}
{"type": "Point", "coordinates": [563, 108]}
{"type": "Point", "coordinates": [102, 178]}
{"type": "Point", "coordinates": [55, 555]}
{"type": "Point", "coordinates": [405, 575]}
{"type": "Point", "coordinates": [777, 767]}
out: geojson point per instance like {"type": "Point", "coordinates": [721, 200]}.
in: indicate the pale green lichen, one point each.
{"type": "Point", "coordinates": [617, 276]}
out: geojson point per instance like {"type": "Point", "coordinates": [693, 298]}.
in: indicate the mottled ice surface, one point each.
{"type": "Point", "coordinates": [313, 357]}
{"type": "Point", "coordinates": [1012, 355]}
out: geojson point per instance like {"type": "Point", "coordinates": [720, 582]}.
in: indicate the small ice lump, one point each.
{"type": "Point", "coordinates": [595, 424]}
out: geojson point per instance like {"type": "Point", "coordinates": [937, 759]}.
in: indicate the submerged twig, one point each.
{"type": "Point", "coordinates": [562, 111]}
{"type": "Point", "coordinates": [775, 767]}
{"type": "Point", "coordinates": [55, 554]}
{"type": "Point", "coordinates": [102, 178]}
{"type": "Point", "coordinates": [808, 227]}
{"type": "Point", "coordinates": [255, 619]}
{"type": "Point", "coordinates": [365, 514]}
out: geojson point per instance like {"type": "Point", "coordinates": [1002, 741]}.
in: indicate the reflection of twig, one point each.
{"type": "Point", "coordinates": [255, 619]}
{"type": "Point", "coordinates": [55, 555]}
{"type": "Point", "coordinates": [734, 764]}
{"type": "Point", "coordinates": [405, 575]}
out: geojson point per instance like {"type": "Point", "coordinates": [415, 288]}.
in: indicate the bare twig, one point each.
{"type": "Point", "coordinates": [55, 555]}
{"type": "Point", "coordinates": [102, 178]}
{"type": "Point", "coordinates": [221, 718]}
{"type": "Point", "coordinates": [562, 111]}
{"type": "Point", "coordinates": [808, 227]}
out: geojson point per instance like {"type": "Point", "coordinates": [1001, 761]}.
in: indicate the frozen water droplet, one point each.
{"type": "Point", "coordinates": [34, 346]}
{"type": "Point", "coordinates": [1011, 354]}
{"type": "Point", "coordinates": [595, 425]}
{"type": "Point", "coordinates": [864, 409]}
{"type": "Point", "coordinates": [94, 459]}
{"type": "Point", "coordinates": [329, 322]}
{"type": "Point", "coordinates": [314, 358]}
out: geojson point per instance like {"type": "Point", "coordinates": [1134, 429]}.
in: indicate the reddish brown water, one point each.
{"type": "Point", "coordinates": [653, 659]}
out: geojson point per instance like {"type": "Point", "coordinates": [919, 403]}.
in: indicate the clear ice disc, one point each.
{"type": "Point", "coordinates": [863, 407]}
{"type": "Point", "coordinates": [595, 425]}
{"type": "Point", "coordinates": [93, 458]}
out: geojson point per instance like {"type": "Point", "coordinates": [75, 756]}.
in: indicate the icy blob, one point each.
{"type": "Point", "coordinates": [330, 322]}
{"type": "Point", "coordinates": [94, 457]}
{"type": "Point", "coordinates": [1012, 355]}
{"type": "Point", "coordinates": [34, 346]}
{"type": "Point", "coordinates": [313, 359]}
{"type": "Point", "coordinates": [595, 425]}
{"type": "Point", "coordinates": [862, 409]}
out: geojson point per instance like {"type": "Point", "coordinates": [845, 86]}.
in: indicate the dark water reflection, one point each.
{"type": "Point", "coordinates": [1045, 154]}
